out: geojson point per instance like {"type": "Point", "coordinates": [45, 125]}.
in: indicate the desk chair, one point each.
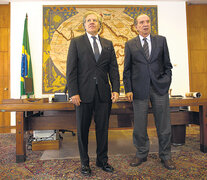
{"type": "Point", "coordinates": [63, 98]}
{"type": "Point", "coordinates": [63, 131]}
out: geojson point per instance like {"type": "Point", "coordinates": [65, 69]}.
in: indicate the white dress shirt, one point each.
{"type": "Point", "coordinates": [97, 41]}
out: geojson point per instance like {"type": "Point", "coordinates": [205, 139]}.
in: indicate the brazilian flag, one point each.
{"type": "Point", "coordinates": [27, 87]}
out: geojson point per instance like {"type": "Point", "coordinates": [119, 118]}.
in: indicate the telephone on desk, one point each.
{"type": "Point", "coordinates": [60, 97]}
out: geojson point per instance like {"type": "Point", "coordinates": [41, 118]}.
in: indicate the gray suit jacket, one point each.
{"type": "Point", "coordinates": [139, 72]}
{"type": "Point", "coordinates": [82, 69]}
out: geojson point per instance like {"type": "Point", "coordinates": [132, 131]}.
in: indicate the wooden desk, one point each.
{"type": "Point", "coordinates": [24, 123]}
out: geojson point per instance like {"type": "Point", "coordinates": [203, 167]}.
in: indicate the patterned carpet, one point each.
{"type": "Point", "coordinates": [190, 162]}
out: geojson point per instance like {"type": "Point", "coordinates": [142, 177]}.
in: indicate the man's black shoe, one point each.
{"type": "Point", "coordinates": [105, 166]}
{"type": "Point", "coordinates": [86, 170]}
{"type": "Point", "coordinates": [137, 161]}
{"type": "Point", "coordinates": [168, 164]}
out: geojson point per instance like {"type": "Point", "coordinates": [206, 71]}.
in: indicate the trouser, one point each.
{"type": "Point", "coordinates": [101, 112]}
{"type": "Point", "coordinates": [161, 112]}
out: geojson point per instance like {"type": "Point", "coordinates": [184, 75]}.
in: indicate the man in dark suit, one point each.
{"type": "Point", "coordinates": [91, 63]}
{"type": "Point", "coordinates": [147, 77]}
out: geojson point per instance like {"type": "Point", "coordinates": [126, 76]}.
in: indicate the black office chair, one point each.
{"type": "Point", "coordinates": [63, 131]}
{"type": "Point", "coordinates": [63, 98]}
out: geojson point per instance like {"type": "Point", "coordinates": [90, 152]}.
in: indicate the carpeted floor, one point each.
{"type": "Point", "coordinates": [190, 162]}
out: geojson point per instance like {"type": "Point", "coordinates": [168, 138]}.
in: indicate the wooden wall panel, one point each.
{"type": "Point", "coordinates": [197, 47]}
{"type": "Point", "coordinates": [201, 65]}
{"type": "Point", "coordinates": [4, 39]}
{"type": "Point", "coordinates": [4, 14]}
{"type": "Point", "coordinates": [198, 36]}
{"type": "Point", "coordinates": [199, 82]}
{"type": "Point", "coordinates": [4, 60]}
{"type": "Point", "coordinates": [196, 14]}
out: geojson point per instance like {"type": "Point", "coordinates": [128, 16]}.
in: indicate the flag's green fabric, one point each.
{"type": "Point", "coordinates": [26, 65]}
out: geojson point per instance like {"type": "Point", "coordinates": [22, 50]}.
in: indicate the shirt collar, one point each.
{"type": "Point", "coordinates": [148, 37]}
{"type": "Point", "coordinates": [89, 35]}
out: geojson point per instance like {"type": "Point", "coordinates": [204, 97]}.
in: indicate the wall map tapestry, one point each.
{"type": "Point", "coordinates": [61, 23]}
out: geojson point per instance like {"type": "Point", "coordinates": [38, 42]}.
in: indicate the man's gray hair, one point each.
{"type": "Point", "coordinates": [135, 19]}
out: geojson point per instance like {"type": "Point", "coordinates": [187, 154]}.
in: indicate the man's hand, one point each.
{"type": "Point", "coordinates": [114, 96]}
{"type": "Point", "coordinates": [75, 100]}
{"type": "Point", "coordinates": [129, 96]}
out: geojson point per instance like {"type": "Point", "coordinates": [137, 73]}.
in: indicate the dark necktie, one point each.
{"type": "Point", "coordinates": [146, 48]}
{"type": "Point", "coordinates": [95, 46]}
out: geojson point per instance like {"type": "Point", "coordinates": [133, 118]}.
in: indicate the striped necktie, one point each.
{"type": "Point", "coordinates": [95, 46]}
{"type": "Point", "coordinates": [146, 47]}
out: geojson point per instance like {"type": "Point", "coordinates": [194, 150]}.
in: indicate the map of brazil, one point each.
{"type": "Point", "coordinates": [62, 23]}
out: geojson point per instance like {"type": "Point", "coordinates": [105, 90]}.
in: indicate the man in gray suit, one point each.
{"type": "Point", "coordinates": [147, 77]}
{"type": "Point", "coordinates": [91, 63]}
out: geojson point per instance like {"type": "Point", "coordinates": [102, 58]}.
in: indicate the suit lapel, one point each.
{"type": "Point", "coordinates": [153, 46]}
{"type": "Point", "coordinates": [138, 43]}
{"type": "Point", "coordinates": [103, 45]}
{"type": "Point", "coordinates": [88, 45]}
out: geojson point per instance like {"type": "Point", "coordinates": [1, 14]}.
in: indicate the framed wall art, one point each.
{"type": "Point", "coordinates": [61, 23]}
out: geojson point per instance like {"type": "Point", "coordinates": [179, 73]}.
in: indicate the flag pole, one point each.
{"type": "Point", "coordinates": [27, 87]}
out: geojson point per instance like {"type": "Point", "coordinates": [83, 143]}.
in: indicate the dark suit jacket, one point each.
{"type": "Point", "coordinates": [82, 69]}
{"type": "Point", "coordinates": [139, 72]}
